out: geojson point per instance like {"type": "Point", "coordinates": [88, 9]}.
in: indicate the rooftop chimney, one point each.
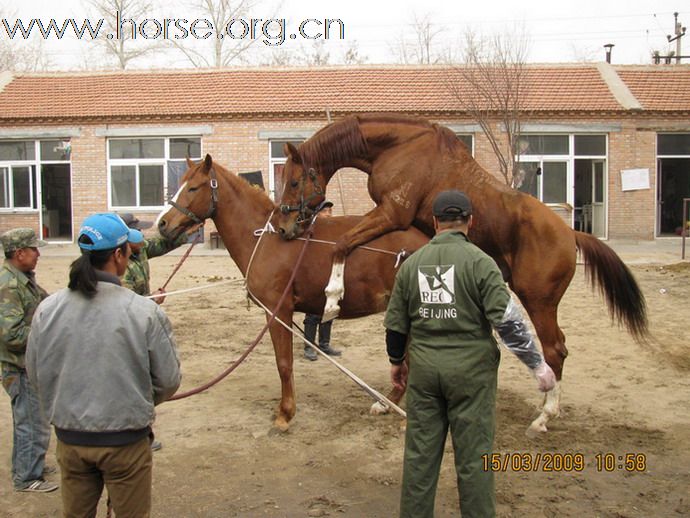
{"type": "Point", "coordinates": [608, 48]}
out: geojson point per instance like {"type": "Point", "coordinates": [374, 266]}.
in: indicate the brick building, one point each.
{"type": "Point", "coordinates": [608, 147]}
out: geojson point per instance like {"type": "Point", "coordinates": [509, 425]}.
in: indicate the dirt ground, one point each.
{"type": "Point", "coordinates": [221, 458]}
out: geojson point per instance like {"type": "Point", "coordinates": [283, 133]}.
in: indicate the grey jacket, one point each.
{"type": "Point", "coordinates": [101, 364]}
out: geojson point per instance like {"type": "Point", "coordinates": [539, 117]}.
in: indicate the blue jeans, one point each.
{"type": "Point", "coordinates": [31, 429]}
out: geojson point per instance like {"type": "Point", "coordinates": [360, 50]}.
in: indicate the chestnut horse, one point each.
{"type": "Point", "coordinates": [409, 161]}
{"type": "Point", "coordinates": [238, 209]}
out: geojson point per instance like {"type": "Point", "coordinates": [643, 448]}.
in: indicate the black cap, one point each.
{"type": "Point", "coordinates": [133, 222]}
{"type": "Point", "coordinates": [452, 203]}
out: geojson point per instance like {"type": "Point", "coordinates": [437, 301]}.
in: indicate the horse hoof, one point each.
{"type": "Point", "coordinates": [378, 409]}
{"type": "Point", "coordinates": [535, 430]}
{"type": "Point", "coordinates": [330, 312]}
{"type": "Point", "coordinates": [281, 425]}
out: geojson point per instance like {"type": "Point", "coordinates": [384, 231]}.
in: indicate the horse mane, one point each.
{"type": "Point", "coordinates": [342, 140]}
{"type": "Point", "coordinates": [333, 144]}
{"type": "Point", "coordinates": [238, 183]}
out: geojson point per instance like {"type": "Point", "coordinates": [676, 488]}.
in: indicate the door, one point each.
{"type": "Point", "coordinates": [598, 210]}
{"type": "Point", "coordinates": [673, 186]}
{"type": "Point", "coordinates": [56, 202]}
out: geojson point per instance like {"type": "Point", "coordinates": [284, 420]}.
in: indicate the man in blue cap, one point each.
{"type": "Point", "coordinates": [20, 295]}
{"type": "Point", "coordinates": [101, 357]}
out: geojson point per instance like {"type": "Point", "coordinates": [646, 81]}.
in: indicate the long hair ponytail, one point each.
{"type": "Point", "coordinates": [82, 272]}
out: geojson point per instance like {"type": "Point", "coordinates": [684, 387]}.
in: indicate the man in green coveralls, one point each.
{"type": "Point", "coordinates": [20, 295]}
{"type": "Point", "coordinates": [138, 275]}
{"type": "Point", "coordinates": [447, 298]}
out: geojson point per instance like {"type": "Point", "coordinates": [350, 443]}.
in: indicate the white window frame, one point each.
{"type": "Point", "coordinates": [34, 181]}
{"type": "Point", "coordinates": [137, 162]}
{"type": "Point", "coordinates": [471, 135]}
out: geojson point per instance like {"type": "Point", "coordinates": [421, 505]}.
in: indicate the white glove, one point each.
{"type": "Point", "coordinates": [544, 376]}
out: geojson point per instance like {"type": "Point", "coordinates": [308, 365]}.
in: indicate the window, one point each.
{"type": "Point", "coordinates": [468, 140]}
{"type": "Point", "coordinates": [277, 159]}
{"type": "Point", "coordinates": [675, 144]}
{"type": "Point", "coordinates": [590, 145]}
{"type": "Point", "coordinates": [18, 187]}
{"type": "Point", "coordinates": [139, 168]}
{"type": "Point", "coordinates": [555, 181]}
{"type": "Point", "coordinates": [544, 144]}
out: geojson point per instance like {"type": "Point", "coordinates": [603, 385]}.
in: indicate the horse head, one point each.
{"type": "Point", "coordinates": [194, 201]}
{"type": "Point", "coordinates": [304, 192]}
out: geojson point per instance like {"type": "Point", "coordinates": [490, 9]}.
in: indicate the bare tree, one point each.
{"type": "Point", "coordinates": [421, 46]}
{"type": "Point", "coordinates": [351, 56]}
{"type": "Point", "coordinates": [490, 87]}
{"type": "Point", "coordinates": [230, 42]}
{"type": "Point", "coordinates": [22, 55]}
{"type": "Point", "coordinates": [124, 39]}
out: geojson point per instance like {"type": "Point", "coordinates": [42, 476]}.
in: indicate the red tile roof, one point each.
{"type": "Point", "coordinates": [659, 88]}
{"type": "Point", "coordinates": [269, 91]}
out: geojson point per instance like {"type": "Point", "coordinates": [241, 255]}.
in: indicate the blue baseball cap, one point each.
{"type": "Point", "coordinates": [107, 231]}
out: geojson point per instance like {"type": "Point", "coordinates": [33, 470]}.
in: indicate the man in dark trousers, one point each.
{"type": "Point", "coordinates": [447, 298]}
{"type": "Point", "coordinates": [20, 295]}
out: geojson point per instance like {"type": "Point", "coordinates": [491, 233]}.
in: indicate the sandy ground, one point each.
{"type": "Point", "coordinates": [221, 458]}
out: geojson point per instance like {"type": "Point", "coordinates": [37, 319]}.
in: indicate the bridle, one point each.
{"type": "Point", "coordinates": [212, 206]}
{"type": "Point", "coordinates": [304, 211]}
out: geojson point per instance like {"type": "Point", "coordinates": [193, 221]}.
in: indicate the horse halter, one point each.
{"type": "Point", "coordinates": [212, 206]}
{"type": "Point", "coordinates": [304, 211]}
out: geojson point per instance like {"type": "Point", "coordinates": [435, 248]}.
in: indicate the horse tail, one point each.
{"type": "Point", "coordinates": [605, 270]}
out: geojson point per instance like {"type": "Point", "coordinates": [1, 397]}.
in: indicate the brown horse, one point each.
{"type": "Point", "coordinates": [238, 210]}
{"type": "Point", "coordinates": [409, 161]}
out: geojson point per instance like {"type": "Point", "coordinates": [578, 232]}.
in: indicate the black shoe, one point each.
{"type": "Point", "coordinates": [329, 350]}
{"type": "Point", "coordinates": [310, 354]}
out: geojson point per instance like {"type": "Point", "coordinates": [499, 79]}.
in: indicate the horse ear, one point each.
{"type": "Point", "coordinates": [190, 164]}
{"type": "Point", "coordinates": [291, 152]}
{"type": "Point", "coordinates": [208, 163]}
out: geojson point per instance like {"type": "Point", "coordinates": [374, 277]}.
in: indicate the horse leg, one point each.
{"type": "Point", "coordinates": [395, 395]}
{"type": "Point", "coordinates": [282, 346]}
{"type": "Point", "coordinates": [335, 290]}
{"type": "Point", "coordinates": [553, 345]}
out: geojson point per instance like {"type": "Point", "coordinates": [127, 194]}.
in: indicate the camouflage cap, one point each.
{"type": "Point", "coordinates": [20, 238]}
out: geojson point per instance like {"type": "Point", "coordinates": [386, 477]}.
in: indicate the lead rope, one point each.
{"type": "Point", "coordinates": [251, 347]}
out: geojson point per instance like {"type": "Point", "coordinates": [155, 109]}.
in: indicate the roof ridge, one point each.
{"type": "Point", "coordinates": [618, 88]}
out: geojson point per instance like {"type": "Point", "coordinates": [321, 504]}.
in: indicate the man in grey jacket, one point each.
{"type": "Point", "coordinates": [101, 357]}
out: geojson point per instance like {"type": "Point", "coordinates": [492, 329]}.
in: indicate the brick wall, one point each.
{"type": "Point", "coordinates": [235, 144]}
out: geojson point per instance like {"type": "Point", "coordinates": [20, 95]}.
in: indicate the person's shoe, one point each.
{"type": "Point", "coordinates": [49, 470]}
{"type": "Point", "coordinates": [39, 486]}
{"type": "Point", "coordinates": [156, 445]}
{"type": "Point", "coordinates": [329, 350]}
{"type": "Point", "coordinates": [310, 354]}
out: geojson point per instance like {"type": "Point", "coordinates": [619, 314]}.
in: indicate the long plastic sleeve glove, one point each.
{"type": "Point", "coordinates": [544, 376]}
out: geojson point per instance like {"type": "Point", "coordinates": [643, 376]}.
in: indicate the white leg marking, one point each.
{"type": "Point", "coordinates": [550, 410]}
{"type": "Point", "coordinates": [335, 291]}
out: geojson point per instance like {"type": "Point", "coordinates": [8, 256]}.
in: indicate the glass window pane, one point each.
{"type": "Point", "coordinates": [17, 150]}
{"type": "Point", "coordinates": [21, 186]}
{"type": "Point", "coordinates": [588, 145]}
{"type": "Point", "coordinates": [55, 149]}
{"type": "Point", "coordinates": [277, 147]}
{"type": "Point", "coordinates": [150, 185]}
{"type": "Point", "coordinates": [599, 183]}
{"type": "Point", "coordinates": [528, 181]}
{"type": "Point", "coordinates": [4, 187]}
{"type": "Point", "coordinates": [123, 185]}
{"type": "Point", "coordinates": [137, 148]}
{"type": "Point", "coordinates": [674, 144]}
{"type": "Point", "coordinates": [467, 140]}
{"type": "Point", "coordinates": [544, 145]}
{"type": "Point", "coordinates": [185, 148]}
{"type": "Point", "coordinates": [555, 179]}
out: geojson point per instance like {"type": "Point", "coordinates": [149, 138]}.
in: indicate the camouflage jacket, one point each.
{"type": "Point", "coordinates": [19, 298]}
{"type": "Point", "coordinates": [137, 276]}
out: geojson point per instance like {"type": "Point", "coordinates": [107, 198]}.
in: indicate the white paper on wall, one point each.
{"type": "Point", "coordinates": [634, 179]}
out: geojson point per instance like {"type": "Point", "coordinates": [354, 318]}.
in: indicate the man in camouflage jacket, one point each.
{"type": "Point", "coordinates": [19, 298]}
{"type": "Point", "coordinates": [138, 274]}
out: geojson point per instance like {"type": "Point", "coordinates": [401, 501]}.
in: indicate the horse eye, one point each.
{"type": "Point", "coordinates": [192, 189]}
{"type": "Point", "coordinates": [294, 183]}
